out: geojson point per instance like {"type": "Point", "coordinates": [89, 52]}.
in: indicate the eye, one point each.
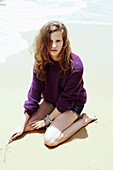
{"type": "Point", "coordinates": [58, 41]}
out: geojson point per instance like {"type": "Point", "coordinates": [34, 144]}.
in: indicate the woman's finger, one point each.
{"type": "Point", "coordinates": [35, 126]}
{"type": "Point", "coordinates": [32, 122]}
{"type": "Point", "coordinates": [12, 135]}
{"type": "Point", "coordinates": [16, 135]}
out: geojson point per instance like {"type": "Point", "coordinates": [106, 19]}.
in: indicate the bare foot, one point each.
{"type": "Point", "coordinates": [88, 118]}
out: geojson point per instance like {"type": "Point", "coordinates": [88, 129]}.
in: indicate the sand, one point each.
{"type": "Point", "coordinates": [91, 148]}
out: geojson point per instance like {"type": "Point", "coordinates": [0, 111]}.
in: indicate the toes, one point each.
{"type": "Point", "coordinates": [88, 118]}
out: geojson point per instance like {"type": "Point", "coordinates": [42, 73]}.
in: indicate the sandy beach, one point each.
{"type": "Point", "coordinates": [91, 148]}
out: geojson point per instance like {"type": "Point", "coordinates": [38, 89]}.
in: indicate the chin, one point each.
{"type": "Point", "coordinates": [54, 53]}
{"type": "Point", "coordinates": [55, 58]}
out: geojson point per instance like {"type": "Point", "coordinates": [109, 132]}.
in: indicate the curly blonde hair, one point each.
{"type": "Point", "coordinates": [42, 44]}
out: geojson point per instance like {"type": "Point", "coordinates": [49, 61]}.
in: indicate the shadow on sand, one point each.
{"type": "Point", "coordinates": [81, 134]}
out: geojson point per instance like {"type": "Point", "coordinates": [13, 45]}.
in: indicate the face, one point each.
{"type": "Point", "coordinates": [56, 44]}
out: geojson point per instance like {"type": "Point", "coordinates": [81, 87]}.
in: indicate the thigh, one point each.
{"type": "Point", "coordinates": [43, 110]}
{"type": "Point", "coordinates": [62, 122]}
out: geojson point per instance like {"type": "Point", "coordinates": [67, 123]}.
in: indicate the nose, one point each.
{"type": "Point", "coordinates": [53, 45]}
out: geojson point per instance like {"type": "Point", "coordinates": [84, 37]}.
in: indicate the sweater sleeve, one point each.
{"type": "Point", "coordinates": [71, 90]}
{"type": "Point", "coordinates": [34, 95]}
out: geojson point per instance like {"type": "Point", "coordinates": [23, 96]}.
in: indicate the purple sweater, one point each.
{"type": "Point", "coordinates": [65, 91]}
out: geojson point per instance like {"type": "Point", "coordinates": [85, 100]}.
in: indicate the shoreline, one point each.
{"type": "Point", "coordinates": [29, 35]}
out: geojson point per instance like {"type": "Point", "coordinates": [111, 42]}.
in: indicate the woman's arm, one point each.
{"type": "Point", "coordinates": [25, 120]}
{"type": "Point", "coordinates": [41, 123]}
{"type": "Point", "coordinates": [34, 95]}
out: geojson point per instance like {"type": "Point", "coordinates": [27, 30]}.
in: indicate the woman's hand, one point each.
{"type": "Point", "coordinates": [17, 132]}
{"type": "Point", "coordinates": [38, 124]}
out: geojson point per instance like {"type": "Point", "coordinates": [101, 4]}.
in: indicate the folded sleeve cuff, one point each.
{"type": "Point", "coordinates": [29, 112]}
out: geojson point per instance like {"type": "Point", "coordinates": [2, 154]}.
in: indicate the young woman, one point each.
{"type": "Point", "coordinates": [57, 79]}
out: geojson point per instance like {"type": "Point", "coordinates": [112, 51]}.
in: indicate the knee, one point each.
{"type": "Point", "coordinates": [51, 138]}
{"type": "Point", "coordinates": [50, 141]}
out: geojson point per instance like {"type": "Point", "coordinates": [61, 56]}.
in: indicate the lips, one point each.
{"type": "Point", "coordinates": [53, 50]}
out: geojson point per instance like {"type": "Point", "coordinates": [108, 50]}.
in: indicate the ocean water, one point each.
{"type": "Point", "coordinates": [18, 16]}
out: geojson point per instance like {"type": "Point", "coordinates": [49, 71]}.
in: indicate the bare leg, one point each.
{"type": "Point", "coordinates": [60, 130]}
{"type": "Point", "coordinates": [84, 121]}
{"type": "Point", "coordinates": [43, 110]}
